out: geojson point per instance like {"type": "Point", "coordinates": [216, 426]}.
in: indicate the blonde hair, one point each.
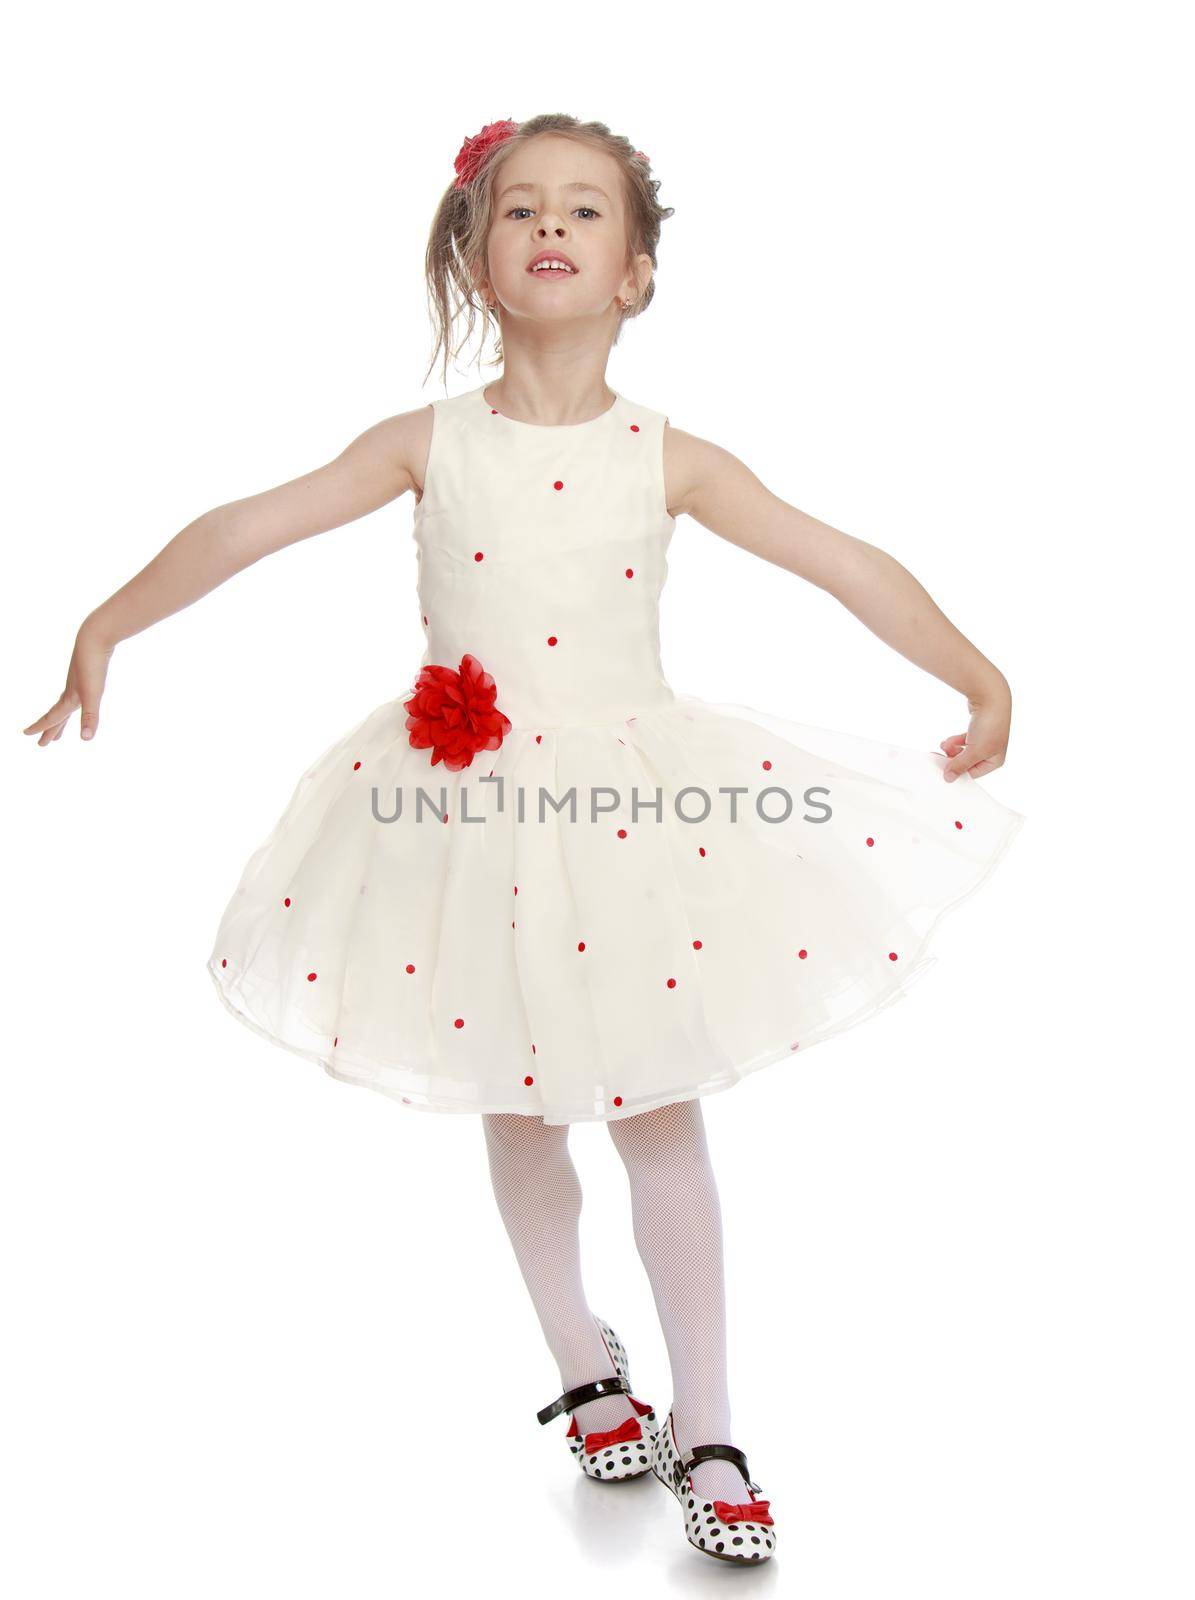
{"type": "Point", "coordinates": [456, 246]}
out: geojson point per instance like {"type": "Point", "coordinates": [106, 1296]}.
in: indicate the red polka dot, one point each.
{"type": "Point", "coordinates": [630, 572]}
{"type": "Point", "coordinates": [767, 766]}
{"type": "Point", "coordinates": [532, 1049]}
{"type": "Point", "coordinates": [697, 944]}
{"type": "Point", "coordinates": [802, 954]}
{"type": "Point", "coordinates": [539, 738]}
{"type": "Point", "coordinates": [958, 824]}
{"type": "Point", "coordinates": [551, 638]}
{"type": "Point", "coordinates": [528, 1080]}
{"type": "Point", "coordinates": [516, 888]}
{"type": "Point", "coordinates": [672, 983]}
{"type": "Point", "coordinates": [581, 946]}
{"type": "Point", "coordinates": [870, 842]}
{"type": "Point", "coordinates": [224, 962]}
{"type": "Point", "coordinates": [335, 1041]}
{"type": "Point", "coordinates": [425, 622]}
{"type": "Point", "coordinates": [892, 955]}
{"type": "Point", "coordinates": [286, 902]}
{"type": "Point", "coordinates": [459, 1023]}
{"type": "Point", "coordinates": [622, 833]}
{"type": "Point", "coordinates": [792, 1047]}
{"type": "Point", "coordinates": [700, 849]}
{"type": "Point", "coordinates": [409, 967]}
{"type": "Point", "coordinates": [617, 1099]}
{"type": "Point", "coordinates": [512, 924]}
{"type": "Point", "coordinates": [479, 555]}
{"type": "Point", "coordinates": [634, 427]}
{"type": "Point", "coordinates": [558, 484]}
{"type": "Point", "coordinates": [493, 411]}
{"type": "Point", "coordinates": [356, 766]}
{"type": "Point", "coordinates": [444, 818]}
{"type": "Point", "coordinates": [311, 977]}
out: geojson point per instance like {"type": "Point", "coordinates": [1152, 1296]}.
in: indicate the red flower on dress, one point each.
{"type": "Point", "coordinates": [471, 154]}
{"type": "Point", "coordinates": [453, 713]}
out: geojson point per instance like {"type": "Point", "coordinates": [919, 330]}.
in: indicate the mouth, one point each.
{"type": "Point", "coordinates": [552, 266]}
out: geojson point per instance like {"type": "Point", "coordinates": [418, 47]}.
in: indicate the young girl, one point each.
{"type": "Point", "coordinates": [541, 886]}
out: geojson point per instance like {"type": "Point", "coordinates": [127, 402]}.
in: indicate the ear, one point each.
{"type": "Point", "coordinates": [637, 280]}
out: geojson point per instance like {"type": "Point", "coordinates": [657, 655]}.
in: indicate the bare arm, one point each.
{"type": "Point", "coordinates": [378, 466]}
{"type": "Point", "coordinates": [725, 496]}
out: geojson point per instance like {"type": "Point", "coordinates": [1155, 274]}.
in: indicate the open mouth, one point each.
{"type": "Point", "coordinates": [552, 268]}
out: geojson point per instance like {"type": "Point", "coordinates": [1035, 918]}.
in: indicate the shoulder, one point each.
{"type": "Point", "coordinates": [693, 466]}
{"type": "Point", "coordinates": [398, 446]}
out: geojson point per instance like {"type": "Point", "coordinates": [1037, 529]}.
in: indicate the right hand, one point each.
{"type": "Point", "coordinates": [84, 686]}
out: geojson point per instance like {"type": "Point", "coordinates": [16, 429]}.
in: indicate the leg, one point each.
{"type": "Point", "coordinates": [677, 1220]}
{"type": "Point", "coordinates": [539, 1197]}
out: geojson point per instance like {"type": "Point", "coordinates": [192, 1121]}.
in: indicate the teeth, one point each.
{"type": "Point", "coordinates": [550, 266]}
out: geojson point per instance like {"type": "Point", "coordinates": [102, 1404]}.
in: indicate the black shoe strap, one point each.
{"type": "Point", "coordinates": [713, 1452]}
{"type": "Point", "coordinates": [572, 1398]}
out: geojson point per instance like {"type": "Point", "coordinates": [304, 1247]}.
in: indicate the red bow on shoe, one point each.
{"type": "Point", "coordinates": [749, 1511]}
{"type": "Point", "coordinates": [625, 1433]}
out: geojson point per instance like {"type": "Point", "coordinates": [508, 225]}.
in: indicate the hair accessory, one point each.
{"type": "Point", "coordinates": [476, 146]}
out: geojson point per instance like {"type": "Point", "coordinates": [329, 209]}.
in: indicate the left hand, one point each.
{"type": "Point", "coordinates": [983, 747]}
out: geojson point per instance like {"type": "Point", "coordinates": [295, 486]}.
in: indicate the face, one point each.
{"type": "Point", "coordinates": [554, 194]}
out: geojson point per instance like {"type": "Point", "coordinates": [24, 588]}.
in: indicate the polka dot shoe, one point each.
{"type": "Point", "coordinates": [741, 1532]}
{"type": "Point", "coordinates": [618, 1453]}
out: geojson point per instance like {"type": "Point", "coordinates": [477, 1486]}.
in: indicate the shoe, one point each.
{"type": "Point", "coordinates": [618, 1453]}
{"type": "Point", "coordinates": [730, 1532]}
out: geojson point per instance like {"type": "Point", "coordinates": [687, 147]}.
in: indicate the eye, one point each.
{"type": "Point", "coordinates": [590, 209]}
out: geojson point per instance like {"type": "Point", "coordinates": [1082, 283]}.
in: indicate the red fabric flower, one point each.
{"type": "Point", "coordinates": [453, 713]}
{"type": "Point", "coordinates": [471, 154]}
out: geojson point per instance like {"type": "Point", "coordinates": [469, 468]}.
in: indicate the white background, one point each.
{"type": "Point", "coordinates": [264, 1332]}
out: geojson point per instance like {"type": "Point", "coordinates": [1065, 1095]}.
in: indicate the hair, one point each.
{"type": "Point", "coordinates": [456, 247]}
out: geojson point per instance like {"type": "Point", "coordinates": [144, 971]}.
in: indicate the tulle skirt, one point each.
{"type": "Point", "coordinates": [725, 890]}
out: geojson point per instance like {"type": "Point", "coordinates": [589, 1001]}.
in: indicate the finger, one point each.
{"type": "Point", "coordinates": [959, 765]}
{"type": "Point", "coordinates": [953, 743]}
{"type": "Point", "coordinates": [91, 687]}
{"type": "Point", "coordinates": [60, 710]}
{"type": "Point", "coordinates": [971, 761]}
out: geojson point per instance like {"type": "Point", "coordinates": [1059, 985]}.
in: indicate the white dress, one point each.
{"type": "Point", "coordinates": [489, 947]}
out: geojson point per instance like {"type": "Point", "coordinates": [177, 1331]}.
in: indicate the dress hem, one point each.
{"type": "Point", "coordinates": [891, 993]}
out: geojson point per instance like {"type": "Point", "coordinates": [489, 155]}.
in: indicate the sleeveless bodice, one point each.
{"type": "Point", "coordinates": [542, 552]}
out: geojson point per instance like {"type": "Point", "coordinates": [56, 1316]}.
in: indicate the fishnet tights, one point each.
{"type": "Point", "coordinates": [677, 1224]}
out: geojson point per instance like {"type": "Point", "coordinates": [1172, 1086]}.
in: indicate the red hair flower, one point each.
{"type": "Point", "coordinates": [472, 153]}
{"type": "Point", "coordinates": [453, 713]}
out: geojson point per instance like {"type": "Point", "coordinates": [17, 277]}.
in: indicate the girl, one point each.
{"type": "Point", "coordinates": [735, 888]}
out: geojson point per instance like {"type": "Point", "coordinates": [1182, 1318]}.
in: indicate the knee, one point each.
{"type": "Point", "coordinates": [667, 1138]}
{"type": "Point", "coordinates": [511, 1137]}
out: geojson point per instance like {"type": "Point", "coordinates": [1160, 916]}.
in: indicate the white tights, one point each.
{"type": "Point", "coordinates": [677, 1224]}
